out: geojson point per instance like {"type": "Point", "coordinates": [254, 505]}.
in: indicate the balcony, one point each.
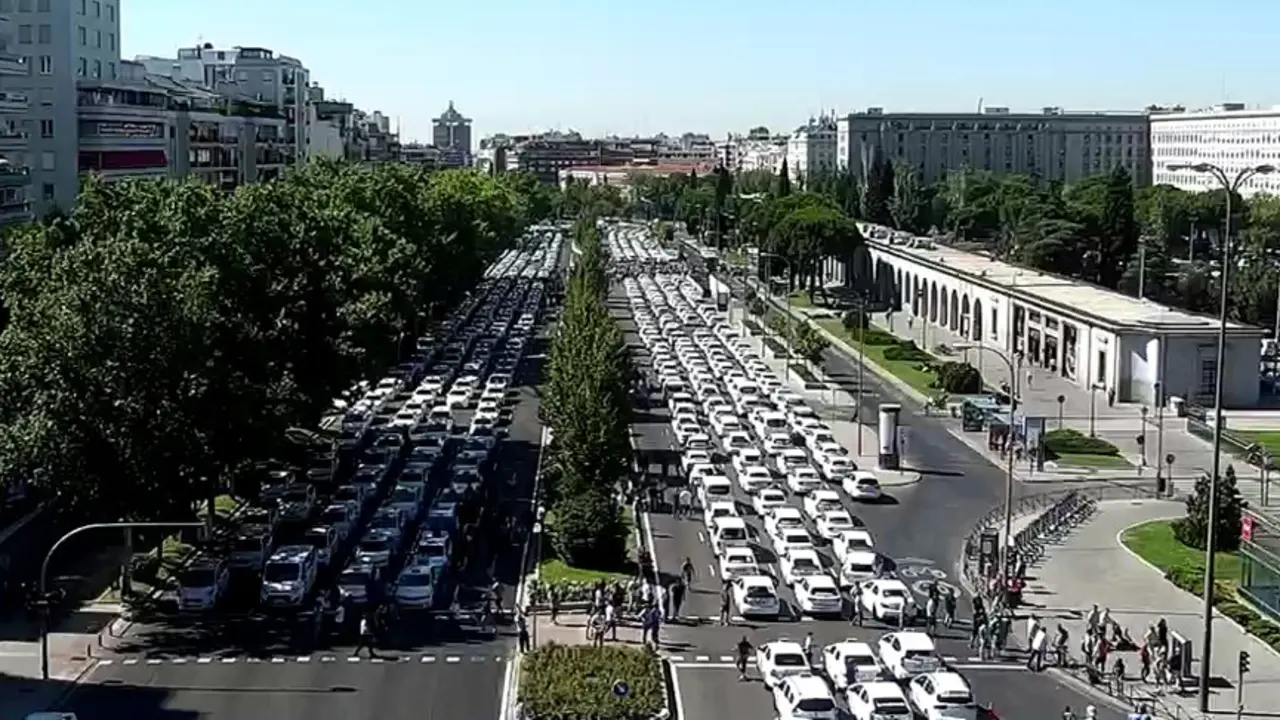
{"type": "Point", "coordinates": [14, 210]}
{"type": "Point", "coordinates": [12, 64]}
{"type": "Point", "coordinates": [13, 102]}
{"type": "Point", "coordinates": [14, 176]}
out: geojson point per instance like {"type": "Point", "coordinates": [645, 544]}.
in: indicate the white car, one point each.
{"type": "Point", "coordinates": [858, 566]}
{"type": "Point", "coordinates": [887, 599]}
{"type": "Point", "coordinates": [714, 488]}
{"type": "Point", "coordinates": [834, 468]}
{"type": "Point", "coordinates": [498, 381]}
{"type": "Point", "coordinates": [850, 541]}
{"type": "Point", "coordinates": [725, 423]}
{"type": "Point", "coordinates": [831, 448]}
{"type": "Point", "coordinates": [818, 595]}
{"type": "Point", "coordinates": [821, 501]}
{"type": "Point", "coordinates": [738, 562]}
{"type": "Point", "coordinates": [790, 539]}
{"type": "Point", "coordinates": [834, 522]}
{"type": "Point", "coordinates": [908, 653]}
{"type": "Point", "coordinates": [702, 470]}
{"type": "Point", "coordinates": [850, 662]}
{"type": "Point", "coordinates": [754, 478]}
{"type": "Point", "coordinates": [693, 458]}
{"type": "Point", "coordinates": [804, 697]}
{"type": "Point", "coordinates": [458, 397]}
{"type": "Point", "coordinates": [781, 659]}
{"type": "Point", "coordinates": [803, 480]}
{"type": "Point", "coordinates": [767, 499]}
{"type": "Point", "coordinates": [882, 700]}
{"type": "Point", "coordinates": [736, 442]}
{"type": "Point", "coordinates": [862, 485]}
{"type": "Point", "coordinates": [781, 518]}
{"type": "Point", "coordinates": [415, 588]}
{"type": "Point", "coordinates": [798, 563]}
{"type": "Point", "coordinates": [717, 509]}
{"type": "Point", "coordinates": [942, 695]}
{"type": "Point", "coordinates": [756, 596]}
{"type": "Point", "coordinates": [791, 459]}
{"type": "Point", "coordinates": [776, 443]}
{"type": "Point", "coordinates": [747, 457]}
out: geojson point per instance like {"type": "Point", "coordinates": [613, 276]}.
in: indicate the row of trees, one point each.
{"type": "Point", "coordinates": [586, 403]}
{"type": "Point", "coordinates": [163, 338]}
{"type": "Point", "coordinates": [1100, 229]}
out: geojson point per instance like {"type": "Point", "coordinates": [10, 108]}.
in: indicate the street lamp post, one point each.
{"type": "Point", "coordinates": [1093, 409]}
{"type": "Point", "coordinates": [1231, 184]}
{"type": "Point", "coordinates": [791, 325]}
{"type": "Point", "coordinates": [1015, 367]}
{"type": "Point", "coordinates": [44, 572]}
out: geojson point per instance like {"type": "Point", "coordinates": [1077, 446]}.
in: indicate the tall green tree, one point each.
{"type": "Point", "coordinates": [783, 188]}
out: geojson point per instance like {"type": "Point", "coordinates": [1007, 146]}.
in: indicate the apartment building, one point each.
{"type": "Point", "coordinates": [811, 149]}
{"type": "Point", "coordinates": [61, 42]}
{"type": "Point", "coordinates": [762, 154]}
{"type": "Point", "coordinates": [1230, 136]}
{"type": "Point", "coordinates": [1053, 144]}
{"type": "Point", "coordinates": [15, 177]}
{"type": "Point", "coordinates": [257, 74]}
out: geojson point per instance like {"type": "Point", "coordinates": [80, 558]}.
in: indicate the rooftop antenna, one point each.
{"type": "Point", "coordinates": [979, 106]}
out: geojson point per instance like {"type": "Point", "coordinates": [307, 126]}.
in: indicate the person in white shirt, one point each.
{"type": "Point", "coordinates": [366, 637]}
{"type": "Point", "coordinates": [611, 621]}
{"type": "Point", "coordinates": [808, 648]}
{"type": "Point", "coordinates": [1035, 658]}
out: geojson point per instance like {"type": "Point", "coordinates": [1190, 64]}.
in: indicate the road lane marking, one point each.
{"type": "Point", "coordinates": [179, 661]}
{"type": "Point", "coordinates": [712, 568]}
{"type": "Point", "coordinates": [353, 659]}
{"type": "Point", "coordinates": [676, 658]}
{"type": "Point", "coordinates": [453, 659]}
{"type": "Point", "coordinates": [305, 659]}
{"type": "Point", "coordinates": [277, 660]}
{"type": "Point", "coordinates": [204, 660]}
{"type": "Point", "coordinates": [726, 658]}
{"type": "Point", "coordinates": [106, 662]}
{"type": "Point", "coordinates": [328, 659]}
{"type": "Point", "coordinates": [703, 658]}
{"type": "Point", "coordinates": [228, 660]}
{"type": "Point", "coordinates": [377, 660]}
{"type": "Point", "coordinates": [154, 661]}
{"type": "Point", "coordinates": [428, 658]}
{"type": "Point", "coordinates": [701, 538]}
{"type": "Point", "coordinates": [253, 660]}
{"type": "Point", "coordinates": [1017, 667]}
{"type": "Point", "coordinates": [675, 693]}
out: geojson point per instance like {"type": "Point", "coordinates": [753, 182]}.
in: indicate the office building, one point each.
{"type": "Point", "coordinates": [62, 41]}
{"type": "Point", "coordinates": [451, 135]}
{"type": "Point", "coordinates": [256, 74]}
{"type": "Point", "coordinates": [373, 139]}
{"type": "Point", "coordinates": [15, 177]}
{"type": "Point", "coordinates": [1230, 136]}
{"type": "Point", "coordinates": [1053, 144]}
{"type": "Point", "coordinates": [811, 149]}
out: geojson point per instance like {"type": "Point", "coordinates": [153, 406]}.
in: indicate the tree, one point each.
{"type": "Point", "coordinates": [877, 195]}
{"type": "Point", "coordinates": [783, 188]}
{"type": "Point", "coordinates": [1192, 530]}
{"type": "Point", "coordinates": [808, 343]}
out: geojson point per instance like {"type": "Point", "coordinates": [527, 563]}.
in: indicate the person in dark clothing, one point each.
{"type": "Point", "coordinates": [677, 597]}
{"type": "Point", "coordinates": [366, 636]}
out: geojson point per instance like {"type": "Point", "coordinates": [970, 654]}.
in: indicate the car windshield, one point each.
{"type": "Point", "coordinates": [431, 549]}
{"type": "Point", "coordinates": [759, 592]}
{"type": "Point", "coordinates": [404, 495]}
{"type": "Point", "coordinates": [855, 661]}
{"type": "Point", "coordinates": [197, 578]}
{"type": "Point", "coordinates": [893, 593]}
{"type": "Point", "coordinates": [248, 545]}
{"type": "Point", "coordinates": [890, 706]}
{"type": "Point", "coordinates": [790, 660]}
{"type": "Point", "coordinates": [281, 572]}
{"type": "Point", "coordinates": [346, 492]}
{"type": "Point", "coordinates": [385, 521]}
{"type": "Point", "coordinates": [816, 705]}
{"type": "Point", "coordinates": [297, 493]}
{"type": "Point", "coordinates": [416, 580]}
{"type": "Point", "coordinates": [320, 541]}
{"type": "Point", "coordinates": [805, 563]}
{"type": "Point", "coordinates": [355, 577]}
{"type": "Point", "coordinates": [375, 545]}
{"type": "Point", "coordinates": [334, 515]}
{"type": "Point", "coordinates": [955, 698]}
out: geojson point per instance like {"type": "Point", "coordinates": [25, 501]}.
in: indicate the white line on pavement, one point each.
{"type": "Point", "coordinates": [675, 692]}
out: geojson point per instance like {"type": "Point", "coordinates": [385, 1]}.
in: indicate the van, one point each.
{"type": "Point", "coordinates": [729, 531]}
{"type": "Point", "coordinates": [715, 487]}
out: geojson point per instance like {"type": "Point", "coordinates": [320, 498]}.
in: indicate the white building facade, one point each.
{"type": "Point", "coordinates": [1092, 337]}
{"type": "Point", "coordinates": [1230, 136]}
{"type": "Point", "coordinates": [811, 149]}
{"type": "Point", "coordinates": [764, 155]}
{"type": "Point", "coordinates": [1053, 145]}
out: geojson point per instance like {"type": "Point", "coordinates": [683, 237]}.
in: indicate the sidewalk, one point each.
{"type": "Point", "coordinates": [572, 630]}
{"type": "Point", "coordinates": [1091, 567]}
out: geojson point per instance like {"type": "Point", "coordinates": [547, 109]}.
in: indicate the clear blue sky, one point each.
{"type": "Point", "coordinates": [715, 65]}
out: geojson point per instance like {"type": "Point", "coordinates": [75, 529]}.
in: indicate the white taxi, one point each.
{"type": "Point", "coordinates": [799, 562]}
{"type": "Point", "coordinates": [782, 518]}
{"type": "Point", "coordinates": [790, 539]}
{"type": "Point", "coordinates": [908, 653]}
{"type": "Point", "coordinates": [781, 659]}
{"type": "Point", "coordinates": [754, 478]}
{"type": "Point", "coordinates": [850, 662]}
{"type": "Point", "coordinates": [856, 567]}
{"type": "Point", "coordinates": [862, 485]}
{"type": "Point", "coordinates": [713, 488]}
{"type": "Point", "coordinates": [737, 562]}
{"type": "Point", "coordinates": [818, 595]}
{"type": "Point", "coordinates": [888, 599]}
{"type": "Point", "coordinates": [767, 499]}
{"type": "Point", "coordinates": [756, 597]}
{"type": "Point", "coordinates": [716, 509]}
{"type": "Point", "coordinates": [849, 541]}
{"type": "Point", "coordinates": [942, 695]}
{"type": "Point", "coordinates": [821, 501]}
{"type": "Point", "coordinates": [804, 697]}
{"type": "Point", "coordinates": [803, 480]}
{"type": "Point", "coordinates": [834, 522]}
{"type": "Point", "coordinates": [881, 700]}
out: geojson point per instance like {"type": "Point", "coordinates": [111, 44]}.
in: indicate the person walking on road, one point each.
{"type": "Point", "coordinates": [931, 614]}
{"type": "Point", "coordinates": [686, 572]}
{"type": "Point", "coordinates": [366, 636]}
{"type": "Point", "coordinates": [855, 596]}
{"type": "Point", "coordinates": [611, 620]}
{"type": "Point", "coordinates": [553, 599]}
{"type": "Point", "coordinates": [743, 653]}
{"type": "Point", "coordinates": [677, 597]}
{"type": "Point", "coordinates": [522, 627]}
{"type": "Point", "coordinates": [1033, 626]}
{"type": "Point", "coordinates": [724, 605]}
{"type": "Point", "coordinates": [1035, 658]}
{"type": "Point", "coordinates": [949, 608]}
{"type": "Point", "coordinates": [808, 648]}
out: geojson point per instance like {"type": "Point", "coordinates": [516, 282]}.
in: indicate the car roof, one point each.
{"type": "Point", "coordinates": [861, 557]}
{"type": "Point", "coordinates": [946, 681]}
{"type": "Point", "coordinates": [803, 552]}
{"type": "Point", "coordinates": [761, 580]}
{"type": "Point", "coordinates": [913, 640]}
{"type": "Point", "coordinates": [785, 646]}
{"type": "Point", "coordinates": [824, 493]}
{"type": "Point", "coordinates": [731, 521]}
{"type": "Point", "coordinates": [852, 647]}
{"type": "Point", "coordinates": [825, 580]}
{"type": "Point", "coordinates": [787, 511]}
{"type": "Point", "coordinates": [883, 689]}
{"type": "Point", "coordinates": [291, 552]}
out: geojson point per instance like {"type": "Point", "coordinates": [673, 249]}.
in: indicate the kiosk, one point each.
{"type": "Point", "coordinates": [890, 452]}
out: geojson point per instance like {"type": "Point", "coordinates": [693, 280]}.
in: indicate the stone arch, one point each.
{"type": "Point", "coordinates": [965, 318]}
{"type": "Point", "coordinates": [976, 326]}
{"type": "Point", "coordinates": [863, 269]}
{"type": "Point", "coordinates": [944, 306]}
{"type": "Point", "coordinates": [898, 289]}
{"type": "Point", "coordinates": [954, 320]}
{"type": "Point", "coordinates": [933, 301]}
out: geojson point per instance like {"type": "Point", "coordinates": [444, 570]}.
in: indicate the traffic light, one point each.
{"type": "Point", "coordinates": [1244, 662]}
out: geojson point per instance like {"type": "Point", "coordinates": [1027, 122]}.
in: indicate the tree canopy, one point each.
{"type": "Point", "coordinates": [163, 337]}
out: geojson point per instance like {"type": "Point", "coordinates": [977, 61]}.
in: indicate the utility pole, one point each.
{"type": "Point", "coordinates": [1142, 268]}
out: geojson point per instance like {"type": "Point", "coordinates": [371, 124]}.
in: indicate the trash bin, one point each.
{"type": "Point", "coordinates": [1178, 405]}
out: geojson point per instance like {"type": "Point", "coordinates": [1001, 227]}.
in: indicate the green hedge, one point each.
{"type": "Point", "coordinates": [1191, 579]}
{"type": "Point", "coordinates": [959, 378]}
{"type": "Point", "coordinates": [875, 336]}
{"type": "Point", "coordinates": [1066, 441]}
{"type": "Point", "coordinates": [906, 350]}
{"type": "Point", "coordinates": [575, 682]}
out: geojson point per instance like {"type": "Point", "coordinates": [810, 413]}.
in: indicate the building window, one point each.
{"type": "Point", "coordinates": [97, 68]}
{"type": "Point", "coordinates": [97, 8]}
{"type": "Point", "coordinates": [24, 5]}
{"type": "Point", "coordinates": [42, 6]}
{"type": "Point", "coordinates": [46, 64]}
{"type": "Point", "coordinates": [24, 35]}
{"type": "Point", "coordinates": [83, 35]}
{"type": "Point", "coordinates": [1208, 375]}
{"type": "Point", "coordinates": [268, 76]}
{"type": "Point", "coordinates": [111, 42]}
{"type": "Point", "coordinates": [82, 67]}
{"type": "Point", "coordinates": [44, 34]}
{"type": "Point", "coordinates": [111, 13]}
{"type": "Point", "coordinates": [48, 161]}
{"type": "Point", "coordinates": [111, 70]}
{"type": "Point", "coordinates": [46, 128]}
{"type": "Point", "coordinates": [47, 191]}
{"type": "Point", "coordinates": [82, 4]}
{"type": "Point", "coordinates": [97, 38]}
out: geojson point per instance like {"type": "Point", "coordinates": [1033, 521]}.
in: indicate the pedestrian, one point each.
{"type": "Point", "coordinates": [655, 623]}
{"type": "Point", "coordinates": [366, 636]}
{"type": "Point", "coordinates": [553, 599]}
{"type": "Point", "coordinates": [724, 605]}
{"type": "Point", "coordinates": [1033, 626]}
{"type": "Point", "coordinates": [522, 626]}
{"type": "Point", "coordinates": [687, 572]}
{"type": "Point", "coordinates": [677, 597]}
{"type": "Point", "coordinates": [1035, 657]}
{"type": "Point", "coordinates": [1060, 646]}
{"type": "Point", "coordinates": [1030, 376]}
{"type": "Point", "coordinates": [808, 648]}
{"type": "Point", "coordinates": [1111, 397]}
{"type": "Point", "coordinates": [983, 633]}
{"type": "Point", "coordinates": [949, 607]}
{"type": "Point", "coordinates": [686, 502]}
{"type": "Point", "coordinates": [663, 598]}
{"type": "Point", "coordinates": [611, 620]}
{"type": "Point", "coordinates": [931, 614]}
{"type": "Point", "coordinates": [597, 597]}
{"type": "Point", "coordinates": [1091, 620]}
{"type": "Point", "coordinates": [855, 596]}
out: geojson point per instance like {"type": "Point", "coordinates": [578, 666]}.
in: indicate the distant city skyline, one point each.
{"type": "Point", "coordinates": [713, 66]}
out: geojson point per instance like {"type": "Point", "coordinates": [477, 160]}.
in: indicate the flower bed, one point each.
{"type": "Point", "coordinates": [577, 682]}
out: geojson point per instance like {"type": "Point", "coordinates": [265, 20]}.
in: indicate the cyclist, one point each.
{"type": "Point", "coordinates": [744, 650]}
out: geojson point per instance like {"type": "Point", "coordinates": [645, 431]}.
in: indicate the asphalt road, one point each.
{"type": "Point", "coordinates": [431, 666]}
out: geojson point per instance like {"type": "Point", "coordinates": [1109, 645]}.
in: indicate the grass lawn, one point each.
{"type": "Point", "coordinates": [1102, 462]}
{"type": "Point", "coordinates": [1154, 542]}
{"type": "Point", "coordinates": [800, 299]}
{"type": "Point", "coordinates": [1268, 439]}
{"type": "Point", "coordinates": [907, 371]}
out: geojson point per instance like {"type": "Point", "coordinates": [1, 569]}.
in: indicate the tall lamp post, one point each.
{"type": "Point", "coordinates": [791, 325]}
{"type": "Point", "coordinates": [1231, 184]}
{"type": "Point", "coordinates": [1014, 367]}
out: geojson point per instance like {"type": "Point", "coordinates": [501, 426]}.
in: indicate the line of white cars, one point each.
{"type": "Point", "coordinates": [724, 399]}
{"type": "Point", "coordinates": [632, 243]}
{"type": "Point", "coordinates": [899, 677]}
